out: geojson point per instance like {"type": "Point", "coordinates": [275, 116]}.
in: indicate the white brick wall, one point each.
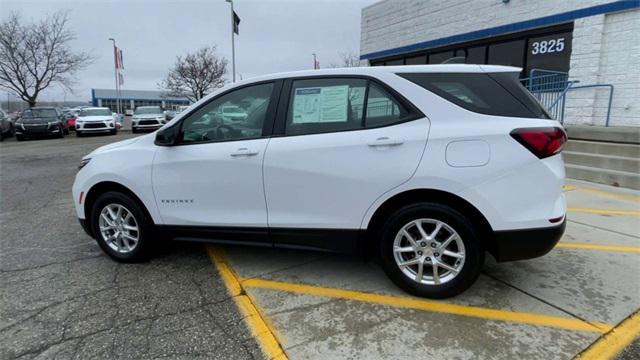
{"type": "Point", "coordinates": [605, 48]}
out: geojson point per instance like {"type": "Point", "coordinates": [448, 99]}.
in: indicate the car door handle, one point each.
{"type": "Point", "coordinates": [386, 141]}
{"type": "Point", "coordinates": [244, 152]}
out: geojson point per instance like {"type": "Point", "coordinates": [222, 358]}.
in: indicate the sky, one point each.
{"type": "Point", "coordinates": [275, 35]}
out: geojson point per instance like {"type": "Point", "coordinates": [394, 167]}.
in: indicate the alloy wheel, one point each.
{"type": "Point", "coordinates": [119, 228]}
{"type": "Point", "coordinates": [429, 251]}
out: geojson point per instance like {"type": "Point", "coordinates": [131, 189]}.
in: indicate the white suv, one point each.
{"type": "Point", "coordinates": [147, 118]}
{"type": "Point", "coordinates": [426, 167]}
{"type": "Point", "coordinates": [95, 120]}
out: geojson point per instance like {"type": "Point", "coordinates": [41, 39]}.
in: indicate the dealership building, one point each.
{"type": "Point", "coordinates": [130, 99]}
{"type": "Point", "coordinates": [580, 57]}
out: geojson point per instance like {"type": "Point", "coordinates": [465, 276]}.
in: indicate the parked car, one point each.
{"type": "Point", "coordinates": [233, 113]}
{"type": "Point", "coordinates": [41, 122]}
{"type": "Point", "coordinates": [426, 167]}
{"type": "Point", "coordinates": [6, 125]}
{"type": "Point", "coordinates": [147, 118]}
{"type": "Point", "coordinates": [93, 120]}
{"type": "Point", "coordinates": [128, 112]}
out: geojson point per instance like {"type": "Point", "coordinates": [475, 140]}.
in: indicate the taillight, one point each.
{"type": "Point", "coordinates": [542, 142]}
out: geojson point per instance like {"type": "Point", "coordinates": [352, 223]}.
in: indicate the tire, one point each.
{"type": "Point", "coordinates": [134, 130]}
{"type": "Point", "coordinates": [114, 132]}
{"type": "Point", "coordinates": [78, 133]}
{"type": "Point", "coordinates": [19, 137]}
{"type": "Point", "coordinates": [464, 242]}
{"type": "Point", "coordinates": [138, 252]}
{"type": "Point", "coordinates": [66, 131]}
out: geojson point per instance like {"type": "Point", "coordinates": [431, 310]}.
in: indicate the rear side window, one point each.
{"type": "Point", "coordinates": [497, 94]}
{"type": "Point", "coordinates": [340, 104]}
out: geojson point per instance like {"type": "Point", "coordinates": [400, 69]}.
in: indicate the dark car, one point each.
{"type": "Point", "coordinates": [41, 122]}
{"type": "Point", "coordinates": [6, 126]}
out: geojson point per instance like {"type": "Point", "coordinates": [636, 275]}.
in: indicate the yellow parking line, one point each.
{"type": "Point", "coordinates": [613, 342]}
{"type": "Point", "coordinates": [568, 187]}
{"type": "Point", "coordinates": [627, 197]}
{"type": "Point", "coordinates": [256, 322]}
{"type": "Point", "coordinates": [605, 211]}
{"type": "Point", "coordinates": [433, 306]}
{"type": "Point", "coordinates": [623, 248]}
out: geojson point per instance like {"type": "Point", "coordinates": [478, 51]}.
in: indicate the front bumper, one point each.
{"type": "Point", "coordinates": [31, 132]}
{"type": "Point", "coordinates": [95, 127]}
{"type": "Point", "coordinates": [85, 227]}
{"type": "Point", "coordinates": [524, 244]}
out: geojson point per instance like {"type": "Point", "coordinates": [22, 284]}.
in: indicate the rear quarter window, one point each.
{"type": "Point", "coordinates": [498, 94]}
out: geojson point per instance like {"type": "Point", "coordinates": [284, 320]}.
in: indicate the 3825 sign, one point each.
{"type": "Point", "coordinates": [547, 46]}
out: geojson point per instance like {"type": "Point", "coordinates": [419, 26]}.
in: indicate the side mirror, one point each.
{"type": "Point", "coordinates": [167, 136]}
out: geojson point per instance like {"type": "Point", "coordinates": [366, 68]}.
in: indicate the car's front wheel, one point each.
{"type": "Point", "coordinates": [431, 250]}
{"type": "Point", "coordinates": [121, 227]}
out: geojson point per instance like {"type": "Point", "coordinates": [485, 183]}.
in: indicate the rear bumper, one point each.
{"type": "Point", "coordinates": [524, 244]}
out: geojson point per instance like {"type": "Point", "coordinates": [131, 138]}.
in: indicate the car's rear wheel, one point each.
{"type": "Point", "coordinates": [431, 250]}
{"type": "Point", "coordinates": [121, 227]}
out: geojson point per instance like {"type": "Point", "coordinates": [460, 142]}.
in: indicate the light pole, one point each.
{"type": "Point", "coordinates": [233, 46]}
{"type": "Point", "coordinates": [115, 69]}
{"type": "Point", "coordinates": [315, 62]}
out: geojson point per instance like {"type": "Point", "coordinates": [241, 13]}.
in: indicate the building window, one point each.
{"type": "Point", "coordinates": [507, 53]}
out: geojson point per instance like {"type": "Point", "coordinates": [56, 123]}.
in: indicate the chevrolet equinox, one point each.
{"type": "Point", "coordinates": [426, 167]}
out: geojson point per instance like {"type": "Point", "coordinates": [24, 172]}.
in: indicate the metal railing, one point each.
{"type": "Point", "coordinates": [551, 89]}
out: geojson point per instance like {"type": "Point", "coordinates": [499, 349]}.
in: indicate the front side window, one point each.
{"type": "Point", "coordinates": [237, 115]}
{"type": "Point", "coordinates": [340, 104]}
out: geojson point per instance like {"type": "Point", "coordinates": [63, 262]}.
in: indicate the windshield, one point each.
{"type": "Point", "coordinates": [148, 110]}
{"type": "Point", "coordinates": [39, 113]}
{"type": "Point", "coordinates": [95, 112]}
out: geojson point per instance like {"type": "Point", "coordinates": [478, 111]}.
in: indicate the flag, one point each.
{"type": "Point", "coordinates": [117, 57]}
{"type": "Point", "coordinates": [236, 23]}
{"type": "Point", "coordinates": [120, 78]}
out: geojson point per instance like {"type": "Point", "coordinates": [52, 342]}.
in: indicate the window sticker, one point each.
{"type": "Point", "coordinates": [320, 104]}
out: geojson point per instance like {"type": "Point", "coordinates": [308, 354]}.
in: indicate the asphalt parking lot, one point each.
{"type": "Point", "coordinates": [62, 298]}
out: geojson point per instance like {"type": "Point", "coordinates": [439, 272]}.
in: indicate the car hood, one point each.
{"type": "Point", "coordinates": [95, 118]}
{"type": "Point", "coordinates": [147, 116]}
{"type": "Point", "coordinates": [112, 146]}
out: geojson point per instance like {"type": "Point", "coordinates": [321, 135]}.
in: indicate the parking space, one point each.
{"type": "Point", "coordinates": [332, 306]}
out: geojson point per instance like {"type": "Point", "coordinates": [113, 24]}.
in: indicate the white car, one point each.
{"type": "Point", "coordinates": [95, 120]}
{"type": "Point", "coordinates": [233, 113]}
{"type": "Point", "coordinates": [427, 167]}
{"type": "Point", "coordinates": [147, 118]}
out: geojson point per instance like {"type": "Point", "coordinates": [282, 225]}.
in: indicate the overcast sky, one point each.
{"type": "Point", "coordinates": [275, 35]}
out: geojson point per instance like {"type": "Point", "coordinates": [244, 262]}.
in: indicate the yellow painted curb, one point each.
{"type": "Point", "coordinates": [613, 342]}
{"type": "Point", "coordinates": [256, 322]}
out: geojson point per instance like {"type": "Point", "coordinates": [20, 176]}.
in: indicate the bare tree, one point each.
{"type": "Point", "coordinates": [196, 74]}
{"type": "Point", "coordinates": [347, 59]}
{"type": "Point", "coordinates": [34, 56]}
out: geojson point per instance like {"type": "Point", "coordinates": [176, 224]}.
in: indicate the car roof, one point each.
{"type": "Point", "coordinates": [95, 108]}
{"type": "Point", "coordinates": [373, 70]}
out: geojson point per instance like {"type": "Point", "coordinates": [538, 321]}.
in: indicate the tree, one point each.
{"type": "Point", "coordinates": [35, 55]}
{"type": "Point", "coordinates": [347, 59]}
{"type": "Point", "coordinates": [196, 74]}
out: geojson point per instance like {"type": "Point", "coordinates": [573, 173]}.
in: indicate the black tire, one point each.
{"type": "Point", "coordinates": [134, 130]}
{"type": "Point", "coordinates": [1, 136]}
{"type": "Point", "coordinates": [141, 250]}
{"type": "Point", "coordinates": [78, 133]}
{"type": "Point", "coordinates": [114, 132]}
{"type": "Point", "coordinates": [66, 131]}
{"type": "Point", "coordinates": [474, 252]}
{"type": "Point", "coordinates": [19, 137]}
